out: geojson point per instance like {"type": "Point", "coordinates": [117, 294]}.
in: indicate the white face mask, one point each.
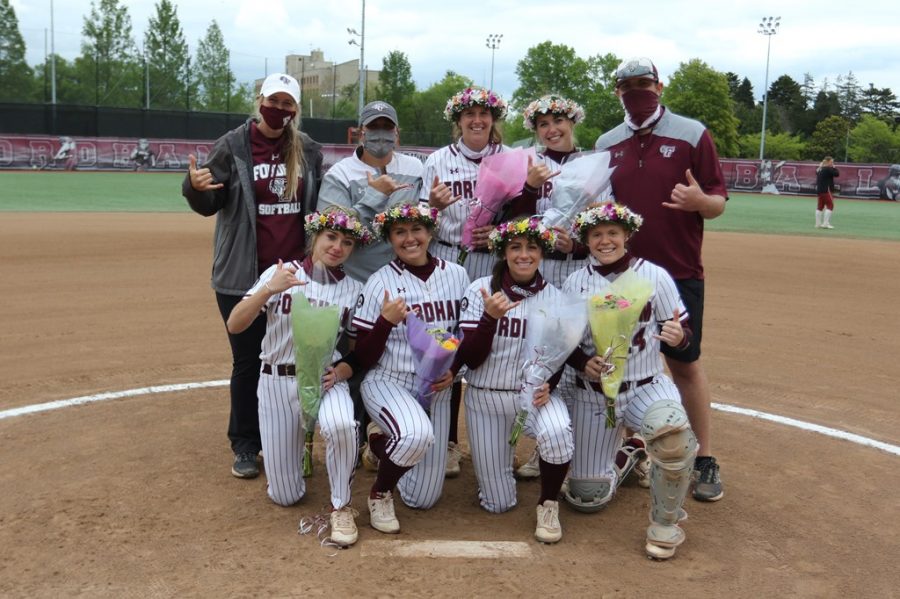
{"type": "Point", "coordinates": [379, 142]}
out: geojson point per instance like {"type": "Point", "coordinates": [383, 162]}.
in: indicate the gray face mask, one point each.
{"type": "Point", "coordinates": [378, 142]}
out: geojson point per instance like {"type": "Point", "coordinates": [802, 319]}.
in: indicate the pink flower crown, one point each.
{"type": "Point", "coordinates": [472, 96]}
{"type": "Point", "coordinates": [404, 212]}
{"type": "Point", "coordinates": [608, 212]}
{"type": "Point", "coordinates": [337, 219]}
{"type": "Point", "coordinates": [552, 105]}
{"type": "Point", "coordinates": [530, 227]}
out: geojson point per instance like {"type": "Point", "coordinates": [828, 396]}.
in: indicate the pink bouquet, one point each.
{"type": "Point", "coordinates": [500, 178]}
{"type": "Point", "coordinates": [433, 351]}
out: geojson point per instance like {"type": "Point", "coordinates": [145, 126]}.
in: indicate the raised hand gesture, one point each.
{"type": "Point", "coordinates": [671, 332]}
{"type": "Point", "coordinates": [440, 196]}
{"type": "Point", "coordinates": [393, 310]}
{"type": "Point", "coordinates": [497, 305]}
{"type": "Point", "coordinates": [201, 178]}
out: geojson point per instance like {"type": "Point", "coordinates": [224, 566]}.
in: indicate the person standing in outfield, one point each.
{"type": "Point", "coordinates": [493, 320]}
{"type": "Point", "coordinates": [410, 443]}
{"type": "Point", "coordinates": [825, 175]}
{"type": "Point", "coordinates": [370, 180]}
{"type": "Point", "coordinates": [333, 236]}
{"type": "Point", "coordinates": [450, 176]}
{"type": "Point", "coordinates": [648, 401]}
{"type": "Point", "coordinates": [259, 180]}
{"type": "Point", "coordinates": [667, 168]}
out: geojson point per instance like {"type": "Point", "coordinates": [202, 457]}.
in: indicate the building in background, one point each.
{"type": "Point", "coordinates": [328, 89]}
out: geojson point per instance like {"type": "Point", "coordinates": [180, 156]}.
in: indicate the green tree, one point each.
{"type": "Point", "coordinates": [16, 77]}
{"type": "Point", "coordinates": [108, 45]}
{"type": "Point", "coordinates": [427, 126]}
{"type": "Point", "coordinates": [395, 83]}
{"type": "Point", "coordinates": [779, 146]}
{"type": "Point", "coordinates": [602, 109]}
{"type": "Point", "coordinates": [786, 104]}
{"type": "Point", "coordinates": [698, 91]}
{"type": "Point", "coordinates": [550, 68]}
{"type": "Point", "coordinates": [215, 79]}
{"type": "Point", "coordinates": [880, 103]}
{"type": "Point", "coordinates": [166, 53]}
{"type": "Point", "coordinates": [828, 139]}
{"type": "Point", "coordinates": [849, 95]}
{"type": "Point", "coordinates": [872, 140]}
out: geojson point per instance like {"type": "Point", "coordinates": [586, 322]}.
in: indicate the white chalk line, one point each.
{"type": "Point", "coordinates": [793, 422]}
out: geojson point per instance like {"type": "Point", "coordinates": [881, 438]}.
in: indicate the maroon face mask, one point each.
{"type": "Point", "coordinates": [276, 118]}
{"type": "Point", "coordinates": [640, 104]}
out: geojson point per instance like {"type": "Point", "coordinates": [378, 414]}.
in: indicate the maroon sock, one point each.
{"type": "Point", "coordinates": [378, 445]}
{"type": "Point", "coordinates": [388, 475]}
{"type": "Point", "coordinates": [455, 403]}
{"type": "Point", "coordinates": [552, 477]}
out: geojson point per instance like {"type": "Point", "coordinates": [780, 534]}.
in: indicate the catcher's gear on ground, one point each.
{"type": "Point", "coordinates": [589, 495]}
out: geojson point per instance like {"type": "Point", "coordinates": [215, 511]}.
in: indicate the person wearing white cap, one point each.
{"type": "Point", "coordinates": [370, 180]}
{"type": "Point", "coordinates": [260, 180]}
{"type": "Point", "coordinates": [667, 169]}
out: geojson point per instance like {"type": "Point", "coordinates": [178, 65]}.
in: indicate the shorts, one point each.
{"type": "Point", "coordinates": [691, 291]}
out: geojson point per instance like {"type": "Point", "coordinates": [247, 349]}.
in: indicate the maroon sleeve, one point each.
{"type": "Point", "coordinates": [476, 344]}
{"type": "Point", "coordinates": [370, 344]}
{"type": "Point", "coordinates": [688, 335]}
{"type": "Point", "coordinates": [578, 359]}
{"type": "Point", "coordinates": [521, 205]}
{"type": "Point", "coordinates": [706, 167]}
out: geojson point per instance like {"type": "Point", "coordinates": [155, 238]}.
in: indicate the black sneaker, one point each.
{"type": "Point", "coordinates": [245, 465]}
{"type": "Point", "coordinates": [707, 484]}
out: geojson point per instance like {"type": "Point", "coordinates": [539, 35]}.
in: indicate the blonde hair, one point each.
{"type": "Point", "coordinates": [293, 150]}
{"type": "Point", "coordinates": [825, 161]}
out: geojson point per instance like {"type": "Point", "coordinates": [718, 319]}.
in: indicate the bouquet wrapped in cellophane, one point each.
{"type": "Point", "coordinates": [553, 329]}
{"type": "Point", "coordinates": [613, 315]}
{"type": "Point", "coordinates": [501, 177]}
{"type": "Point", "coordinates": [315, 330]}
{"type": "Point", "coordinates": [581, 181]}
{"type": "Point", "coordinates": [433, 350]}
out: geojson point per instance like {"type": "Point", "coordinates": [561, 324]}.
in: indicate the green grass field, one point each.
{"type": "Point", "coordinates": [161, 192]}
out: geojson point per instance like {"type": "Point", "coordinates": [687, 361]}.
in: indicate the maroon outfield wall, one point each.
{"type": "Point", "coordinates": [867, 181]}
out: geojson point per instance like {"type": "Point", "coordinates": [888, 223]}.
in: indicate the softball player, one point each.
{"type": "Point", "coordinates": [449, 185]}
{"type": "Point", "coordinates": [494, 322]}
{"type": "Point", "coordinates": [410, 444]}
{"type": "Point", "coordinates": [648, 400]}
{"type": "Point", "coordinates": [333, 237]}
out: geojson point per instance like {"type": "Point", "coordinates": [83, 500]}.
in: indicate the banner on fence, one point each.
{"type": "Point", "coordinates": [869, 181]}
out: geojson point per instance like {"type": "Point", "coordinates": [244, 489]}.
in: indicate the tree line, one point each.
{"type": "Point", "coordinates": [804, 121]}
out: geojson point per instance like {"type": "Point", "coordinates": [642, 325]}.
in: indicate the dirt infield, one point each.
{"type": "Point", "coordinates": [134, 497]}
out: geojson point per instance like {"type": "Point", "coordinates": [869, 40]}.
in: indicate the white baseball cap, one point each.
{"type": "Point", "coordinates": [279, 82]}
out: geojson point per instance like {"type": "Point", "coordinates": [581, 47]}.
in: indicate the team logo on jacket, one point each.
{"type": "Point", "coordinates": [666, 151]}
{"type": "Point", "coordinates": [360, 301]}
{"type": "Point", "coordinates": [277, 187]}
{"type": "Point", "coordinates": [463, 304]}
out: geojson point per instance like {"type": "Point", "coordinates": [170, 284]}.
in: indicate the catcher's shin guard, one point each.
{"type": "Point", "coordinates": [672, 446]}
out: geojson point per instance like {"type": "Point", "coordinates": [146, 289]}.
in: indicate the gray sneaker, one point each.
{"type": "Point", "coordinates": [707, 484]}
{"type": "Point", "coordinates": [245, 465]}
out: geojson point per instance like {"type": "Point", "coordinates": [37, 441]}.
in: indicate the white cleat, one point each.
{"type": "Point", "coordinates": [343, 526]}
{"type": "Point", "coordinates": [548, 529]}
{"type": "Point", "coordinates": [381, 514]}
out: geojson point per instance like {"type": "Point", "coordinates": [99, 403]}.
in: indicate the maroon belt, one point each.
{"type": "Point", "coordinates": [625, 386]}
{"type": "Point", "coordinates": [280, 369]}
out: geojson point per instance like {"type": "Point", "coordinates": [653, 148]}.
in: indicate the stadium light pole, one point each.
{"type": "Point", "coordinates": [52, 58]}
{"type": "Point", "coordinates": [493, 42]}
{"type": "Point", "coordinates": [768, 27]}
{"type": "Point", "coordinates": [362, 56]}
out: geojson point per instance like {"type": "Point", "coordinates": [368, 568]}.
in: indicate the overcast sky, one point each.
{"type": "Point", "coordinates": [823, 38]}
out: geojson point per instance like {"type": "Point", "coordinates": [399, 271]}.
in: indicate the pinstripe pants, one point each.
{"type": "Point", "coordinates": [490, 416]}
{"type": "Point", "coordinates": [596, 445]}
{"type": "Point", "coordinates": [415, 438]}
{"type": "Point", "coordinates": [282, 430]}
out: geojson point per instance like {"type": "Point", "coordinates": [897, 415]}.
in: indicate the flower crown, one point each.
{"type": "Point", "coordinates": [404, 212]}
{"type": "Point", "coordinates": [338, 220]}
{"type": "Point", "coordinates": [552, 105]}
{"type": "Point", "coordinates": [608, 212]}
{"type": "Point", "coordinates": [472, 96]}
{"type": "Point", "coordinates": [530, 227]}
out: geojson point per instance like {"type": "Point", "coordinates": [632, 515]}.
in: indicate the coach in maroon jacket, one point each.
{"type": "Point", "coordinates": [667, 170]}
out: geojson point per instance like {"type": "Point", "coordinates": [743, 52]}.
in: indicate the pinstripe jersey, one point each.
{"type": "Point", "coordinates": [644, 359]}
{"type": "Point", "coordinates": [502, 370]}
{"type": "Point", "coordinates": [436, 301]}
{"type": "Point", "coordinates": [346, 185]}
{"type": "Point", "coordinates": [458, 173]}
{"type": "Point", "coordinates": [278, 344]}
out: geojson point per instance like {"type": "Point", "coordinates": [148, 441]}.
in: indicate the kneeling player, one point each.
{"type": "Point", "coordinates": [648, 400]}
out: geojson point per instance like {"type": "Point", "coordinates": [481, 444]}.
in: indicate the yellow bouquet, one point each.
{"type": "Point", "coordinates": [613, 316]}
